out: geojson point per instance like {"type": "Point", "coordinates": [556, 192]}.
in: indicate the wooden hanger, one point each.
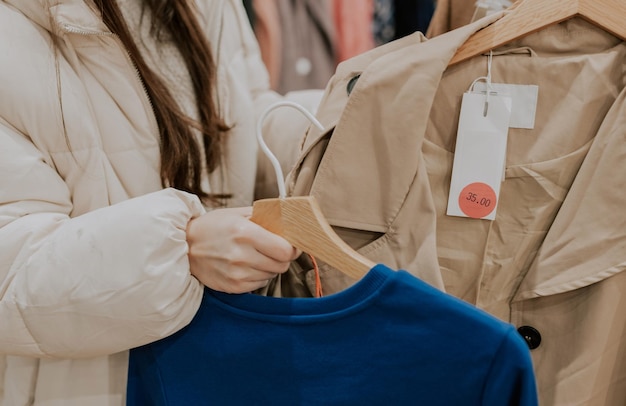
{"type": "Point", "coordinates": [528, 16]}
{"type": "Point", "coordinates": [300, 220]}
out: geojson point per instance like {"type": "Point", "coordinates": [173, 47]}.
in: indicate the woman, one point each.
{"type": "Point", "coordinates": [126, 130]}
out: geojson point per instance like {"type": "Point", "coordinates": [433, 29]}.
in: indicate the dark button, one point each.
{"type": "Point", "coordinates": [531, 335]}
{"type": "Point", "coordinates": [351, 83]}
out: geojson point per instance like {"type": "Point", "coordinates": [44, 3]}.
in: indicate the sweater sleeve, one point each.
{"type": "Point", "coordinates": [96, 284]}
{"type": "Point", "coordinates": [511, 380]}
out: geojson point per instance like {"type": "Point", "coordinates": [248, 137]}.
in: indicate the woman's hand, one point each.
{"type": "Point", "coordinates": [230, 253]}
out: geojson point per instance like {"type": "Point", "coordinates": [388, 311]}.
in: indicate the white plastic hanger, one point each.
{"type": "Point", "coordinates": [528, 16]}
{"type": "Point", "coordinates": [300, 220]}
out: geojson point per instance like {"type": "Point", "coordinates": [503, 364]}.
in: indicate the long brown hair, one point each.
{"type": "Point", "coordinates": [181, 165]}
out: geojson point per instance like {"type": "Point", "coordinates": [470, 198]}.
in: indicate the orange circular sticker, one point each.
{"type": "Point", "coordinates": [477, 200]}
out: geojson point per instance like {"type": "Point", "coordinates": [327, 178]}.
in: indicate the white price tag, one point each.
{"type": "Point", "coordinates": [479, 156]}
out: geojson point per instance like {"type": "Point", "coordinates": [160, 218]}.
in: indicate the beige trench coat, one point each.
{"type": "Point", "coordinates": [551, 263]}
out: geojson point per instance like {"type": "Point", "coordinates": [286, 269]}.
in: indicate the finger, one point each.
{"type": "Point", "coordinates": [242, 211]}
{"type": "Point", "coordinates": [251, 279]}
{"type": "Point", "coordinates": [265, 241]}
{"type": "Point", "coordinates": [260, 262]}
{"type": "Point", "coordinates": [272, 245]}
{"type": "Point", "coordinates": [295, 254]}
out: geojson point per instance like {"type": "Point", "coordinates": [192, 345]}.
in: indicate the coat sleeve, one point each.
{"type": "Point", "coordinates": [96, 284]}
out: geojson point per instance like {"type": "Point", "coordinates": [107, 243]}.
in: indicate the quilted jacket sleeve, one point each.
{"type": "Point", "coordinates": [96, 284]}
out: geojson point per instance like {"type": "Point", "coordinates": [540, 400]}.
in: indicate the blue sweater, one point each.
{"type": "Point", "coordinates": [390, 339]}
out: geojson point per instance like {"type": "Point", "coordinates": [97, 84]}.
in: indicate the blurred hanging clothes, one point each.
{"type": "Point", "coordinates": [449, 15]}
{"type": "Point", "coordinates": [413, 15]}
{"type": "Point", "coordinates": [353, 21]}
{"type": "Point", "coordinates": [394, 19]}
{"type": "Point", "coordinates": [383, 22]}
{"type": "Point", "coordinates": [297, 40]}
{"type": "Point", "coordinates": [265, 20]}
{"type": "Point", "coordinates": [486, 7]}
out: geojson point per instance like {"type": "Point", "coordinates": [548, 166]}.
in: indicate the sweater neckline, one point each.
{"type": "Point", "coordinates": [304, 310]}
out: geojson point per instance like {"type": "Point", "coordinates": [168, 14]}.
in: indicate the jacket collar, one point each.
{"type": "Point", "coordinates": [59, 16]}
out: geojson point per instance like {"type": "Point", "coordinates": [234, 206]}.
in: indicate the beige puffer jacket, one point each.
{"type": "Point", "coordinates": [93, 258]}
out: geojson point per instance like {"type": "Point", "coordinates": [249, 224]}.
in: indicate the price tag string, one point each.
{"type": "Point", "coordinates": [487, 80]}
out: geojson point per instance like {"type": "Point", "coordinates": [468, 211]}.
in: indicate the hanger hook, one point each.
{"type": "Point", "coordinates": [259, 135]}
